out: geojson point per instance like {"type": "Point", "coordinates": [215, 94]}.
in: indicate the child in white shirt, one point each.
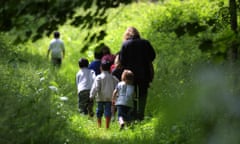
{"type": "Point", "coordinates": [84, 81]}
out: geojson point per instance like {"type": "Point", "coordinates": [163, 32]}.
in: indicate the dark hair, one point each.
{"type": "Point", "coordinates": [98, 55]}
{"type": "Point", "coordinates": [105, 65]}
{"type": "Point", "coordinates": [105, 50]}
{"type": "Point", "coordinates": [56, 34]}
{"type": "Point", "coordinates": [83, 62]}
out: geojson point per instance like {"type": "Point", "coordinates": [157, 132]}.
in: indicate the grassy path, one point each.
{"type": "Point", "coordinates": [88, 128]}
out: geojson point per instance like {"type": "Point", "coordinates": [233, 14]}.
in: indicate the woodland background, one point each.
{"type": "Point", "coordinates": [194, 97]}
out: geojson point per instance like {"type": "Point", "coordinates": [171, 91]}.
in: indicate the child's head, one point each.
{"type": "Point", "coordinates": [105, 65]}
{"type": "Point", "coordinates": [105, 50]}
{"type": "Point", "coordinates": [83, 62]}
{"type": "Point", "coordinates": [56, 34]}
{"type": "Point", "coordinates": [128, 76]}
{"type": "Point", "coordinates": [97, 54]}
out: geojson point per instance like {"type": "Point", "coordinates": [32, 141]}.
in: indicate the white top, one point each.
{"type": "Point", "coordinates": [103, 86]}
{"type": "Point", "coordinates": [125, 94]}
{"type": "Point", "coordinates": [57, 47]}
{"type": "Point", "coordinates": [84, 79]}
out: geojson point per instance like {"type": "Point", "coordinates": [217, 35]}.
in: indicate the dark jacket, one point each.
{"type": "Point", "coordinates": [138, 55]}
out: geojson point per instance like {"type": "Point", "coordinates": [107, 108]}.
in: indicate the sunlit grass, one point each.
{"type": "Point", "coordinates": [138, 130]}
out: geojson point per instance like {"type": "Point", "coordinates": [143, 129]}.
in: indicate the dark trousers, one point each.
{"type": "Point", "coordinates": [56, 62]}
{"type": "Point", "coordinates": [83, 101]}
{"type": "Point", "coordinates": [123, 111]}
{"type": "Point", "coordinates": [140, 102]}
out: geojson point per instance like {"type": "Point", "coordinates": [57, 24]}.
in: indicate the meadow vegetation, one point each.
{"type": "Point", "coordinates": [192, 99]}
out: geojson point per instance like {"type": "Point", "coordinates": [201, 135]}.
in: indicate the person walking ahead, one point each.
{"type": "Point", "coordinates": [137, 55]}
{"type": "Point", "coordinates": [57, 50]}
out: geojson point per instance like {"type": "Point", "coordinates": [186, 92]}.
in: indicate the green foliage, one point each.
{"type": "Point", "coordinates": [27, 102]}
{"type": "Point", "coordinates": [34, 19]}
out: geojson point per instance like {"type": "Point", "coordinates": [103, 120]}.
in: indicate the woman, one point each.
{"type": "Point", "coordinates": [137, 55]}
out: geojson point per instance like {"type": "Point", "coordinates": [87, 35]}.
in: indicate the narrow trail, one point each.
{"type": "Point", "coordinates": [89, 128]}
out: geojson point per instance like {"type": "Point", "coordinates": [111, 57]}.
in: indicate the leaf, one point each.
{"type": "Point", "coordinates": [53, 88]}
{"type": "Point", "coordinates": [64, 98]}
{"type": "Point", "coordinates": [53, 83]}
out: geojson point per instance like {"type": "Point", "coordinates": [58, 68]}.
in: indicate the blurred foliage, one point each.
{"type": "Point", "coordinates": [34, 19]}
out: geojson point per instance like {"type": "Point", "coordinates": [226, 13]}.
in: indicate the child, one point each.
{"type": "Point", "coordinates": [95, 64]}
{"type": "Point", "coordinates": [116, 70]}
{"type": "Point", "coordinates": [123, 94]}
{"type": "Point", "coordinates": [106, 55]}
{"type": "Point", "coordinates": [84, 81]}
{"type": "Point", "coordinates": [102, 90]}
{"type": "Point", "coordinates": [57, 50]}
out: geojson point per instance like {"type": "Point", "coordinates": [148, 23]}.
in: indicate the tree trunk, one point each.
{"type": "Point", "coordinates": [233, 50]}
